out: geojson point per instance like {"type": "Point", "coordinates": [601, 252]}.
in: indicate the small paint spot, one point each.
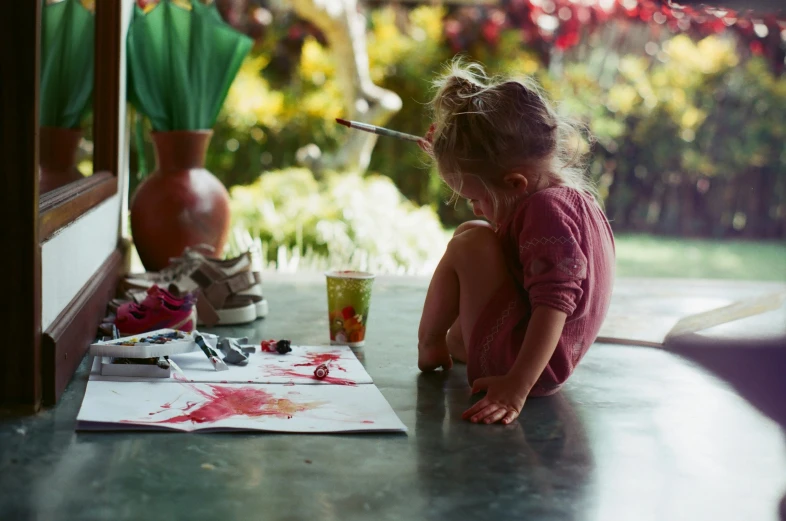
{"type": "Point", "coordinates": [367, 421]}
{"type": "Point", "coordinates": [208, 466]}
{"type": "Point", "coordinates": [308, 461]}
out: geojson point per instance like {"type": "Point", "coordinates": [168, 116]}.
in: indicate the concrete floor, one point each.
{"type": "Point", "coordinates": [636, 434]}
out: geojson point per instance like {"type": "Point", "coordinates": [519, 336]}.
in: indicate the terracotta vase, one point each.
{"type": "Point", "coordinates": [180, 204]}
{"type": "Point", "coordinates": [57, 157]}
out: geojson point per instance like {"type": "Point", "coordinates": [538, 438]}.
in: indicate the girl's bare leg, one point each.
{"type": "Point", "coordinates": [469, 274]}
{"type": "Point", "coordinates": [455, 343]}
{"type": "Point", "coordinates": [454, 339]}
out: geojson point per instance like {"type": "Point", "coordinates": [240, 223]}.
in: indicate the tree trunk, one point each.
{"type": "Point", "coordinates": [364, 101]}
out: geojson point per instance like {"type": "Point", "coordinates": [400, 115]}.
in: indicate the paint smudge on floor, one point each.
{"type": "Point", "coordinates": [226, 402]}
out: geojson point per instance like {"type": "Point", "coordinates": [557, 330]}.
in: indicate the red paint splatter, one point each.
{"type": "Point", "coordinates": [367, 421]}
{"type": "Point", "coordinates": [280, 371]}
{"type": "Point", "coordinates": [228, 402]}
{"type": "Point", "coordinates": [337, 381]}
{"type": "Point", "coordinates": [323, 358]}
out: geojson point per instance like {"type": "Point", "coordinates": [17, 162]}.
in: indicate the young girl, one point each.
{"type": "Point", "coordinates": [519, 298]}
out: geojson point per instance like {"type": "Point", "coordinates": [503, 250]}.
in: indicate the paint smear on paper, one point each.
{"type": "Point", "coordinates": [280, 371]}
{"type": "Point", "coordinates": [323, 358]}
{"type": "Point", "coordinates": [228, 402]}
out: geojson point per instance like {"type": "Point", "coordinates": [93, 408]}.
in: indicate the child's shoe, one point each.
{"type": "Point", "coordinates": [159, 309]}
{"type": "Point", "coordinates": [231, 289]}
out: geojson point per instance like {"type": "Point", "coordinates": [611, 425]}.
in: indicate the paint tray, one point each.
{"type": "Point", "coordinates": [141, 349]}
{"type": "Point", "coordinates": [108, 368]}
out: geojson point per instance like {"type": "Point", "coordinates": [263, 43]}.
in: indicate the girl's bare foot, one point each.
{"type": "Point", "coordinates": [433, 355]}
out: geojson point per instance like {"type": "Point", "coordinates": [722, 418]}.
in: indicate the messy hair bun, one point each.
{"type": "Point", "coordinates": [491, 126]}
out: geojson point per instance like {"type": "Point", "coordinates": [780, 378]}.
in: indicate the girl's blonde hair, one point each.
{"type": "Point", "coordinates": [489, 127]}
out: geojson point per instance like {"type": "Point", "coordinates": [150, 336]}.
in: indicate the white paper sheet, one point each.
{"type": "Point", "coordinates": [296, 367]}
{"type": "Point", "coordinates": [187, 406]}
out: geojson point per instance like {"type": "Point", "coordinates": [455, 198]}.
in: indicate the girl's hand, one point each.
{"type": "Point", "coordinates": [503, 401]}
{"type": "Point", "coordinates": [426, 142]}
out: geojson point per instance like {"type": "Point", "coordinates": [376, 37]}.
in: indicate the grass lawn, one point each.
{"type": "Point", "coordinates": [653, 256]}
{"type": "Point", "coordinates": [650, 256]}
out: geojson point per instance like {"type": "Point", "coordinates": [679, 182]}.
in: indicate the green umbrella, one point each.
{"type": "Point", "coordinates": [67, 31]}
{"type": "Point", "coordinates": [181, 63]}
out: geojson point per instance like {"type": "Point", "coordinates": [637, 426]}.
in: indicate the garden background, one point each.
{"type": "Point", "coordinates": [687, 110]}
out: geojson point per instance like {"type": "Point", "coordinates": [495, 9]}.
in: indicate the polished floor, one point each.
{"type": "Point", "coordinates": [637, 434]}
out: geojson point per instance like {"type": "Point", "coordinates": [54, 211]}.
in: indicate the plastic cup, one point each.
{"type": "Point", "coordinates": [349, 297]}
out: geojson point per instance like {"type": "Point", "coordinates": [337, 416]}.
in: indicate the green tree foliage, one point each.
{"type": "Point", "coordinates": [690, 130]}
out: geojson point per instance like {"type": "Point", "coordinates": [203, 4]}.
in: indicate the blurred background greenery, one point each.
{"type": "Point", "coordinates": [688, 110]}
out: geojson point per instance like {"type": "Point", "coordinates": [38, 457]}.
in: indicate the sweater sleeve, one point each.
{"type": "Point", "coordinates": [550, 254]}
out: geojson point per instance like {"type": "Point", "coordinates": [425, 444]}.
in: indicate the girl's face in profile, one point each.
{"type": "Point", "coordinates": [477, 195]}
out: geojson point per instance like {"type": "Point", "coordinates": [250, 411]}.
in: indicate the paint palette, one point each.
{"type": "Point", "coordinates": [296, 367]}
{"type": "Point", "coordinates": [111, 367]}
{"type": "Point", "coordinates": [162, 342]}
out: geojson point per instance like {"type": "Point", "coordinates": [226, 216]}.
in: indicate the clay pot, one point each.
{"type": "Point", "coordinates": [57, 157]}
{"type": "Point", "coordinates": [180, 204]}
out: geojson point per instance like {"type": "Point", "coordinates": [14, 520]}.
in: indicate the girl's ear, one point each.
{"type": "Point", "coordinates": [517, 182]}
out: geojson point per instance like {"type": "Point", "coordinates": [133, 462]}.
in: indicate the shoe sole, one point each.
{"type": "Point", "coordinates": [261, 308]}
{"type": "Point", "coordinates": [236, 316]}
{"type": "Point", "coordinates": [179, 326]}
{"type": "Point", "coordinates": [229, 317]}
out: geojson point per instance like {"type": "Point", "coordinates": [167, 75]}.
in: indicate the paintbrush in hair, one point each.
{"type": "Point", "coordinates": [380, 131]}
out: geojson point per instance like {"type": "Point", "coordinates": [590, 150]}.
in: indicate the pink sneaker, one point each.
{"type": "Point", "coordinates": [159, 309]}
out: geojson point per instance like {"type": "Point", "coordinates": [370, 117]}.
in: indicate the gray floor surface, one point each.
{"type": "Point", "coordinates": [637, 434]}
